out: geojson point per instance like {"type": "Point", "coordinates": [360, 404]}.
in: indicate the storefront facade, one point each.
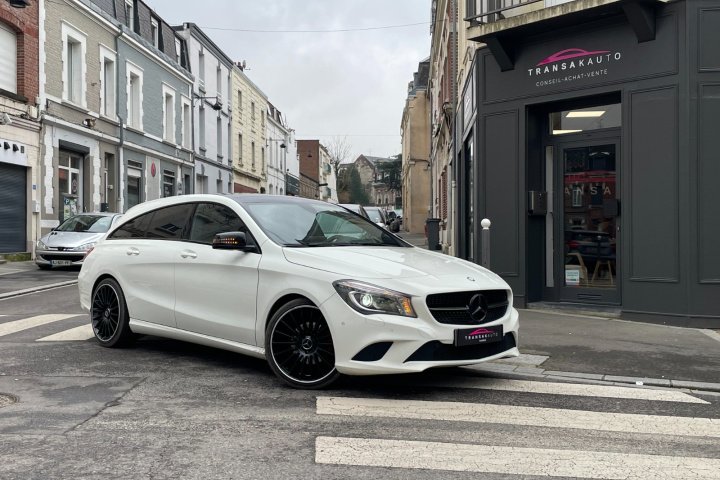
{"type": "Point", "coordinates": [589, 145]}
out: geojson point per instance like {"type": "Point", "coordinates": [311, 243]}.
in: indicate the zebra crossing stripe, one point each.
{"type": "Point", "coordinates": [83, 332]}
{"type": "Point", "coordinates": [31, 322]}
{"type": "Point", "coordinates": [575, 389]}
{"type": "Point", "coordinates": [510, 460]}
{"type": "Point", "coordinates": [514, 415]}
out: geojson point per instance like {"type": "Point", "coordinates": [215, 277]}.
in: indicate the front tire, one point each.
{"type": "Point", "coordinates": [299, 346]}
{"type": "Point", "coordinates": [109, 315]}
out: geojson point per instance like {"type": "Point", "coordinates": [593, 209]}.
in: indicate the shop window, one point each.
{"type": "Point", "coordinates": [134, 183]}
{"type": "Point", "coordinates": [8, 59]}
{"type": "Point", "coordinates": [168, 183]}
{"type": "Point", "coordinates": [70, 175]}
{"type": "Point", "coordinates": [586, 119]}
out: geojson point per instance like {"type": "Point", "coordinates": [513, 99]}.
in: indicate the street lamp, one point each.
{"type": "Point", "coordinates": [19, 3]}
{"type": "Point", "coordinates": [217, 106]}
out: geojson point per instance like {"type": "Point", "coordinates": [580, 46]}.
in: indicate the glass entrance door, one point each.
{"type": "Point", "coordinates": [589, 199]}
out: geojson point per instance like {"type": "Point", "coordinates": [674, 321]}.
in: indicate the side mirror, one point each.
{"type": "Point", "coordinates": [232, 241]}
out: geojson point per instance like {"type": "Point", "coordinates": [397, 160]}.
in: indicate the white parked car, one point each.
{"type": "Point", "coordinates": [316, 290]}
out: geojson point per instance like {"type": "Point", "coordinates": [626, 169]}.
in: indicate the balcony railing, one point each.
{"type": "Point", "coordinates": [487, 11]}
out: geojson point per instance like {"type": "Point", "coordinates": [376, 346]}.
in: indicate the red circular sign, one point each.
{"type": "Point", "coordinates": [152, 169]}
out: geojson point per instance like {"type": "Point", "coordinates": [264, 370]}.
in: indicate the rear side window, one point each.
{"type": "Point", "coordinates": [168, 223]}
{"type": "Point", "coordinates": [211, 219]}
{"type": "Point", "coordinates": [135, 228]}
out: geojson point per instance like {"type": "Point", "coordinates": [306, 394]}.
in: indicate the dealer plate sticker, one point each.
{"type": "Point", "coordinates": [478, 335]}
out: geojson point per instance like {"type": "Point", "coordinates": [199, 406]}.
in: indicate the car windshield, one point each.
{"type": "Point", "coordinates": [374, 215]}
{"type": "Point", "coordinates": [317, 225]}
{"type": "Point", "coordinates": [86, 224]}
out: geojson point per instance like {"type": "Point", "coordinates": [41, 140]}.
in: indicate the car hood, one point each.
{"type": "Point", "coordinates": [70, 239]}
{"type": "Point", "coordinates": [387, 263]}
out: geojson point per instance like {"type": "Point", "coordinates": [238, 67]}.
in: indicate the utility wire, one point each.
{"type": "Point", "coordinates": [316, 31]}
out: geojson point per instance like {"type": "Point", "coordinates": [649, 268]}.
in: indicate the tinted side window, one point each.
{"type": "Point", "coordinates": [168, 223]}
{"type": "Point", "coordinates": [135, 228]}
{"type": "Point", "coordinates": [211, 219]}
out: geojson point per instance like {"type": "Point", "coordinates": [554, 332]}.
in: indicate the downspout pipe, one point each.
{"type": "Point", "coordinates": [453, 171]}
{"type": "Point", "coordinates": [118, 156]}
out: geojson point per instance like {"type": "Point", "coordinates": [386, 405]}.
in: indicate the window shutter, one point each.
{"type": "Point", "coordinates": [8, 59]}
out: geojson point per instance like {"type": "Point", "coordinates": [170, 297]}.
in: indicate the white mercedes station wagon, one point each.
{"type": "Point", "coordinates": [315, 289]}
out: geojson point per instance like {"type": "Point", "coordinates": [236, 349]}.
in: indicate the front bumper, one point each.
{"type": "Point", "coordinates": [48, 257]}
{"type": "Point", "coordinates": [384, 344]}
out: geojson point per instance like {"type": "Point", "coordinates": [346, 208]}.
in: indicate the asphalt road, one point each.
{"type": "Point", "coordinates": [168, 409]}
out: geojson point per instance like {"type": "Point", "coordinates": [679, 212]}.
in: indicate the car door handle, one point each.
{"type": "Point", "coordinates": [133, 251]}
{"type": "Point", "coordinates": [188, 254]}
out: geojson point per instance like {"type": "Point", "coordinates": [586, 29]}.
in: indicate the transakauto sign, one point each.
{"type": "Point", "coordinates": [571, 65]}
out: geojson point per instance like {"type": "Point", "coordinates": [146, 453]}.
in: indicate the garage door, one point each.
{"type": "Point", "coordinates": [13, 208]}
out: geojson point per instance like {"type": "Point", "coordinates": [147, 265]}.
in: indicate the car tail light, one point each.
{"type": "Point", "coordinates": [573, 244]}
{"type": "Point", "coordinates": [88, 253]}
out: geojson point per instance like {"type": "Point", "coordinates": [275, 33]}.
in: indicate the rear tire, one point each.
{"type": "Point", "coordinates": [109, 315]}
{"type": "Point", "coordinates": [299, 346]}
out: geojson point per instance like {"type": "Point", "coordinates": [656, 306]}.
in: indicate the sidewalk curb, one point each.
{"type": "Point", "coordinates": [508, 368]}
{"type": "Point", "coordinates": [26, 291]}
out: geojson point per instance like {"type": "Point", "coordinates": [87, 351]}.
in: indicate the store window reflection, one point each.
{"type": "Point", "coordinates": [590, 246]}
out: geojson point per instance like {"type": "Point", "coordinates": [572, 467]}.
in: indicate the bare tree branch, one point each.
{"type": "Point", "coordinates": [339, 150]}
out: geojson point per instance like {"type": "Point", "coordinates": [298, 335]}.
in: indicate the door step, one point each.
{"type": "Point", "coordinates": [588, 309]}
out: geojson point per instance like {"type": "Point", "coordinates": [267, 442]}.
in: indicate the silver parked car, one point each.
{"type": "Point", "coordinates": [68, 243]}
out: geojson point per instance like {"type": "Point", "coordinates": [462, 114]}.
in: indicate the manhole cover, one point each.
{"type": "Point", "coordinates": [6, 400]}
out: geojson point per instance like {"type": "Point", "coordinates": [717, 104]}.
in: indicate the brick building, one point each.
{"type": "Point", "coordinates": [19, 127]}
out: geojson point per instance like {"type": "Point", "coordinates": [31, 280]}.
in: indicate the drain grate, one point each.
{"type": "Point", "coordinates": [6, 400]}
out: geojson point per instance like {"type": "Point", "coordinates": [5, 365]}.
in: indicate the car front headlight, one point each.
{"type": "Point", "coordinates": [85, 248]}
{"type": "Point", "coordinates": [40, 245]}
{"type": "Point", "coordinates": [369, 299]}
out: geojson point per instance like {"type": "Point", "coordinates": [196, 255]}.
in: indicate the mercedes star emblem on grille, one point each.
{"type": "Point", "coordinates": [478, 307]}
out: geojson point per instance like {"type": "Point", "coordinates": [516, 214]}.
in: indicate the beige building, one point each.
{"type": "Point", "coordinates": [415, 128]}
{"type": "Point", "coordinates": [249, 129]}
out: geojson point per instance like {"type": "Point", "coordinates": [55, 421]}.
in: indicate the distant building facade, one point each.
{"type": "Point", "coordinates": [211, 112]}
{"type": "Point", "coordinates": [250, 105]}
{"type": "Point", "coordinates": [415, 128]}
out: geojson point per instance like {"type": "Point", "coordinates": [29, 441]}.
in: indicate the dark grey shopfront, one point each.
{"type": "Point", "coordinates": [594, 152]}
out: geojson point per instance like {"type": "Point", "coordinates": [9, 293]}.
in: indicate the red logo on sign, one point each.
{"type": "Point", "coordinates": [152, 169]}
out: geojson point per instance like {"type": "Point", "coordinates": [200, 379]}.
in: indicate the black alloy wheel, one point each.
{"type": "Point", "coordinates": [299, 346]}
{"type": "Point", "coordinates": [110, 320]}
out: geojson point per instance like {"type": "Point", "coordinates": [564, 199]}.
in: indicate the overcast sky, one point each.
{"type": "Point", "coordinates": [327, 84]}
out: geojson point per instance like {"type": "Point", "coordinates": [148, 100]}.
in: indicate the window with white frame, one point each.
{"type": "Point", "coordinates": [252, 164]}
{"type": "Point", "coordinates": [240, 148]}
{"type": "Point", "coordinates": [252, 110]}
{"type": "Point", "coordinates": [130, 14]}
{"type": "Point", "coordinates": [186, 122]}
{"type": "Point", "coordinates": [108, 85]}
{"type": "Point", "coordinates": [135, 96]}
{"type": "Point", "coordinates": [201, 70]}
{"type": "Point", "coordinates": [262, 158]}
{"type": "Point", "coordinates": [219, 138]}
{"type": "Point", "coordinates": [178, 50]}
{"type": "Point", "coordinates": [74, 67]}
{"type": "Point", "coordinates": [201, 127]}
{"type": "Point", "coordinates": [168, 114]}
{"type": "Point", "coordinates": [8, 59]}
{"type": "Point", "coordinates": [218, 83]}
{"type": "Point", "coordinates": [155, 32]}
{"type": "Point", "coordinates": [240, 100]}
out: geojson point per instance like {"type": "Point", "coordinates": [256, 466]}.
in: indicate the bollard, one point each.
{"type": "Point", "coordinates": [485, 241]}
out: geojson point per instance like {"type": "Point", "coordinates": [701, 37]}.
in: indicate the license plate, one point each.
{"type": "Point", "coordinates": [478, 335]}
{"type": "Point", "coordinates": [61, 262]}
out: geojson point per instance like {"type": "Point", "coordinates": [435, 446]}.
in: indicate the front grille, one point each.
{"type": "Point", "coordinates": [437, 352]}
{"type": "Point", "coordinates": [452, 308]}
{"type": "Point", "coordinates": [373, 353]}
{"type": "Point", "coordinates": [72, 258]}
